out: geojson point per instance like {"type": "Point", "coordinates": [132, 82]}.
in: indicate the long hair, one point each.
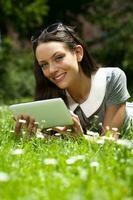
{"type": "Point", "coordinates": [45, 89]}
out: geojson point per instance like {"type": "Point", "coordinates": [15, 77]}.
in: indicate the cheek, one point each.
{"type": "Point", "coordinates": [45, 73]}
{"type": "Point", "coordinates": [70, 64]}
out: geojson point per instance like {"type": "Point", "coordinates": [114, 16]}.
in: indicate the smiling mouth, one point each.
{"type": "Point", "coordinates": [59, 78]}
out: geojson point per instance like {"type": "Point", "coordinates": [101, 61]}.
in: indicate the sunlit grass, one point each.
{"type": "Point", "coordinates": [63, 169]}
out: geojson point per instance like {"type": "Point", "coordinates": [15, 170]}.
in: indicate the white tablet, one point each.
{"type": "Point", "coordinates": [49, 113]}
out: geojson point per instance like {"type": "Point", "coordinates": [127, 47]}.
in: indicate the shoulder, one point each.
{"type": "Point", "coordinates": [114, 75]}
{"type": "Point", "coordinates": [116, 85]}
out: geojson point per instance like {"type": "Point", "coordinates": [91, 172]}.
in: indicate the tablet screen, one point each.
{"type": "Point", "coordinates": [49, 113]}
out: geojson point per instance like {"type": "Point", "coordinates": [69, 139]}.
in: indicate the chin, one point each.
{"type": "Point", "coordinates": [62, 86]}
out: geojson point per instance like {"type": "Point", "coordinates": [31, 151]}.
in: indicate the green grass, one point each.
{"type": "Point", "coordinates": [80, 169]}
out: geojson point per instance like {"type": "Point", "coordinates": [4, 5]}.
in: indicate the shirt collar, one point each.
{"type": "Point", "coordinates": [96, 95]}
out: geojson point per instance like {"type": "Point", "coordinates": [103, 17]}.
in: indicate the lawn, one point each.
{"type": "Point", "coordinates": [63, 169]}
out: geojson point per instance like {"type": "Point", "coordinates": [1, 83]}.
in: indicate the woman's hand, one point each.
{"type": "Point", "coordinates": [24, 121]}
{"type": "Point", "coordinates": [76, 128]}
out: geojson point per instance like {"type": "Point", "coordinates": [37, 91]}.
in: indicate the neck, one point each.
{"type": "Point", "coordinates": [81, 89]}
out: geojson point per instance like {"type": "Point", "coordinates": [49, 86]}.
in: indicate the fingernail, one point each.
{"type": "Point", "coordinates": [23, 121]}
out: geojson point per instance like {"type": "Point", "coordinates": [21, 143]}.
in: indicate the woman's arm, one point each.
{"type": "Point", "coordinates": [114, 116]}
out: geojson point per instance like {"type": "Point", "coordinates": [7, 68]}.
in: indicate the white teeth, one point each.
{"type": "Point", "coordinates": [59, 77]}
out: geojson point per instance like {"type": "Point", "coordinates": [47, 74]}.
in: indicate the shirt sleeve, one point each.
{"type": "Point", "coordinates": [116, 87]}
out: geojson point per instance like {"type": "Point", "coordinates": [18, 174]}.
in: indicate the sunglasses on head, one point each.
{"type": "Point", "coordinates": [53, 28]}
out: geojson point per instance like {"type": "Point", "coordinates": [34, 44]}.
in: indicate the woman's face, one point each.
{"type": "Point", "coordinates": [59, 64]}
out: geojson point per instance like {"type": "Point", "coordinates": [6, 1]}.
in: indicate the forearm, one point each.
{"type": "Point", "coordinates": [114, 118]}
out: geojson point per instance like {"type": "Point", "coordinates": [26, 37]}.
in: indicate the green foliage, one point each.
{"type": "Point", "coordinates": [16, 67]}
{"type": "Point", "coordinates": [23, 15]}
{"type": "Point", "coordinates": [113, 46]}
{"type": "Point", "coordinates": [67, 10]}
{"type": "Point", "coordinates": [63, 169]}
{"type": "Point", "coordinates": [115, 21]}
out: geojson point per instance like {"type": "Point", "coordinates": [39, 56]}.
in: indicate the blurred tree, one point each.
{"type": "Point", "coordinates": [17, 20]}
{"type": "Point", "coordinates": [66, 11]}
{"type": "Point", "coordinates": [16, 77]}
{"type": "Point", "coordinates": [22, 16]}
{"type": "Point", "coordinates": [115, 20]}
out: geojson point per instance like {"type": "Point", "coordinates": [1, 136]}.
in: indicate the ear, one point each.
{"type": "Point", "coordinates": [79, 52]}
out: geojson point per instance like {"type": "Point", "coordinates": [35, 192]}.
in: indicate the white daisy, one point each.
{"type": "Point", "coordinates": [73, 159]}
{"type": "Point", "coordinates": [4, 177]}
{"type": "Point", "coordinates": [50, 161]}
{"type": "Point", "coordinates": [94, 164]}
{"type": "Point", "coordinates": [17, 151]}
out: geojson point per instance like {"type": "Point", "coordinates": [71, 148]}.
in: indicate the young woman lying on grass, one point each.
{"type": "Point", "coordinates": [64, 68]}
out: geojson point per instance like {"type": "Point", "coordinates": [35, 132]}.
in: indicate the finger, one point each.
{"type": "Point", "coordinates": [27, 120]}
{"type": "Point", "coordinates": [18, 125]}
{"type": "Point", "coordinates": [31, 126]}
{"type": "Point", "coordinates": [61, 129]}
{"type": "Point", "coordinates": [74, 115]}
{"type": "Point", "coordinates": [77, 125]}
{"type": "Point", "coordinates": [36, 124]}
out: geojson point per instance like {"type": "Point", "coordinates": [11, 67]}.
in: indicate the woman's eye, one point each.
{"type": "Point", "coordinates": [59, 58]}
{"type": "Point", "coordinates": [44, 65]}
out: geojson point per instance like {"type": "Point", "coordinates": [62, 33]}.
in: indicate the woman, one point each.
{"type": "Point", "coordinates": [64, 68]}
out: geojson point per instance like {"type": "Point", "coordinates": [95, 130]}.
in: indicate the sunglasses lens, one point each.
{"type": "Point", "coordinates": [52, 28]}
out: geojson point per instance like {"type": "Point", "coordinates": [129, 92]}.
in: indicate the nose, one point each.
{"type": "Point", "coordinates": [52, 68]}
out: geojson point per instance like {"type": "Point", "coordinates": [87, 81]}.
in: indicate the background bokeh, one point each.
{"type": "Point", "coordinates": [106, 26]}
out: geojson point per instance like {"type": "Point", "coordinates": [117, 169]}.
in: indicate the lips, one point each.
{"type": "Point", "coordinates": [59, 78]}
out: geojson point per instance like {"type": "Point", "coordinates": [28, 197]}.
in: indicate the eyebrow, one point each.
{"type": "Point", "coordinates": [42, 61]}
